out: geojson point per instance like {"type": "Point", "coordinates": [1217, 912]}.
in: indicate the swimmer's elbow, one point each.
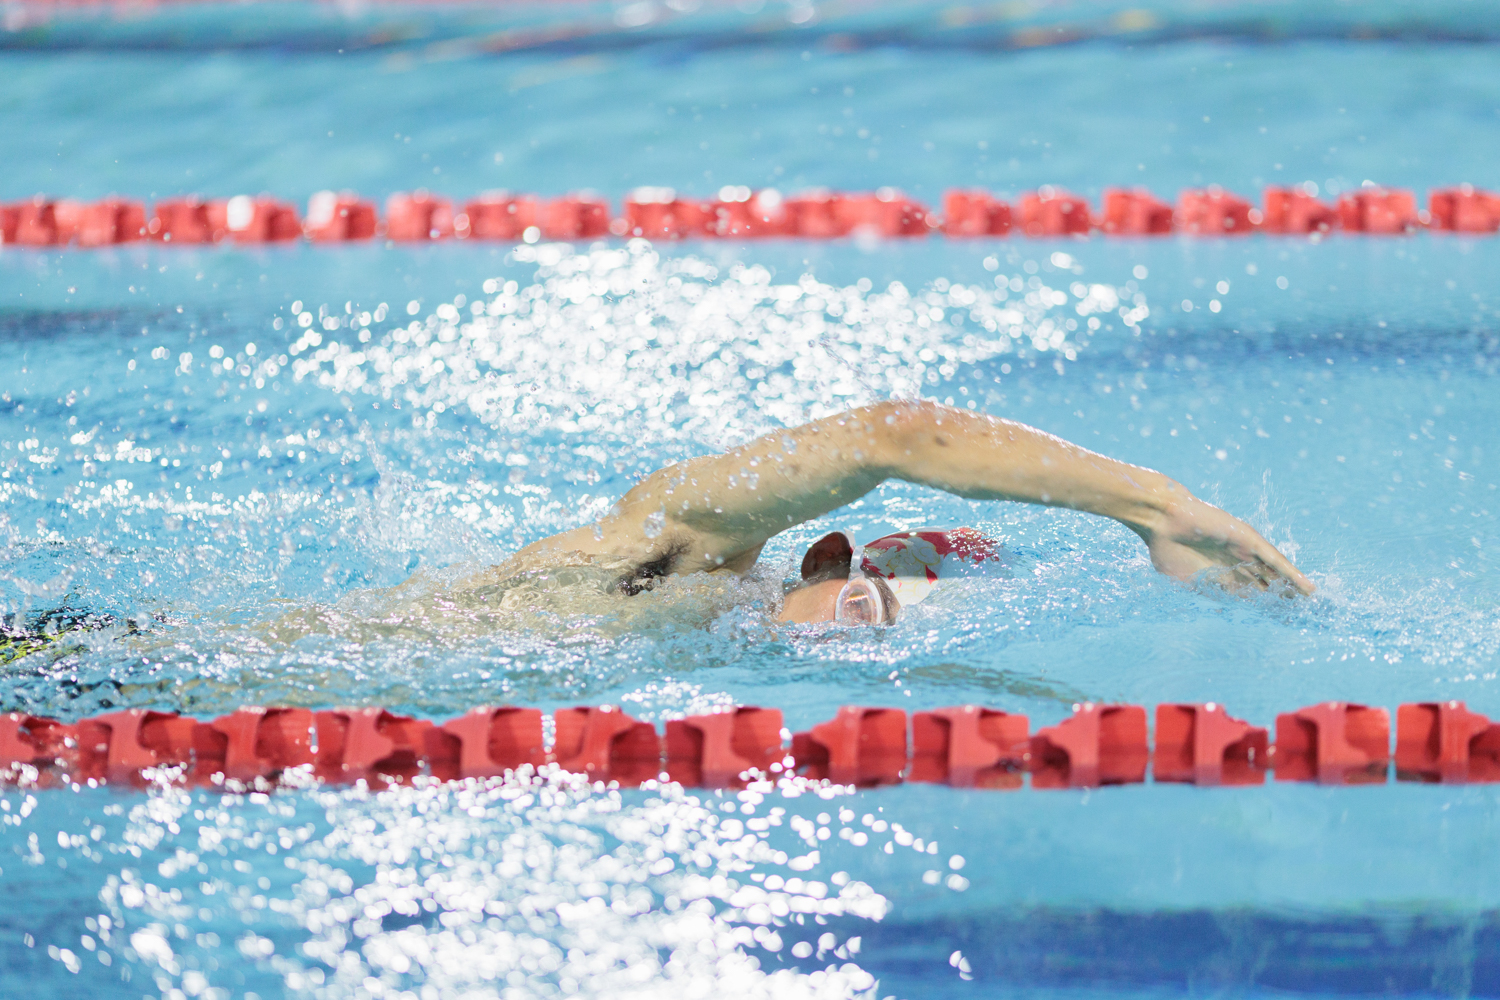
{"type": "Point", "coordinates": [908, 428]}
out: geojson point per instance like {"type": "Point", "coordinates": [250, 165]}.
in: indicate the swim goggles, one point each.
{"type": "Point", "coordinates": [909, 562]}
{"type": "Point", "coordinates": [860, 603]}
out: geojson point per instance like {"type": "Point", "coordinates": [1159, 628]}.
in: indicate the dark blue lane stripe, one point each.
{"type": "Point", "coordinates": [1199, 951]}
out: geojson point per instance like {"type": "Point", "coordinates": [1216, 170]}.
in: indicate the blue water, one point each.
{"type": "Point", "coordinates": [460, 401]}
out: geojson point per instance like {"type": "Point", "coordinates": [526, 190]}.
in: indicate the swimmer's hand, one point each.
{"type": "Point", "coordinates": [1194, 538]}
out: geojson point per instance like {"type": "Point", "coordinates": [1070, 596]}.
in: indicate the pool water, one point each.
{"type": "Point", "coordinates": [236, 518]}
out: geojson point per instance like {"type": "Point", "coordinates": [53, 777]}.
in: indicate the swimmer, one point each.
{"type": "Point", "coordinates": [715, 513]}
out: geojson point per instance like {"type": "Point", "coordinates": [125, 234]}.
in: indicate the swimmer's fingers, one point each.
{"type": "Point", "coordinates": [1245, 575]}
{"type": "Point", "coordinates": [1253, 574]}
{"type": "Point", "coordinates": [1271, 566]}
{"type": "Point", "coordinates": [1242, 576]}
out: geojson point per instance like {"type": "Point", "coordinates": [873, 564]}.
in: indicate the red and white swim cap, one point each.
{"type": "Point", "coordinates": [910, 562]}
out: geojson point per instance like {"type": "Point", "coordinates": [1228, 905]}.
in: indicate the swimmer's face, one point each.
{"type": "Point", "coordinates": [861, 601]}
{"type": "Point", "coordinates": [828, 594]}
{"type": "Point", "coordinates": [812, 602]}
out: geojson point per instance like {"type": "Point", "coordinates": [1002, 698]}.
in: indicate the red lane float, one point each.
{"type": "Point", "coordinates": [261, 219]}
{"type": "Point", "coordinates": [813, 215]}
{"type": "Point", "coordinates": [36, 742]}
{"type": "Point", "coordinates": [1333, 743]}
{"type": "Point", "coordinates": [607, 745]}
{"type": "Point", "coordinates": [255, 743]}
{"type": "Point", "coordinates": [418, 217]}
{"type": "Point", "coordinates": [740, 213]}
{"type": "Point", "coordinates": [36, 224]}
{"type": "Point", "coordinates": [859, 746]}
{"type": "Point", "coordinates": [110, 222]}
{"type": "Point", "coordinates": [501, 215]}
{"type": "Point", "coordinates": [487, 742]}
{"type": "Point", "coordinates": [967, 746]}
{"type": "Point", "coordinates": [369, 744]}
{"type": "Point", "coordinates": [575, 217]}
{"type": "Point", "coordinates": [659, 214]}
{"type": "Point", "coordinates": [118, 746]}
{"type": "Point", "coordinates": [974, 213]}
{"type": "Point", "coordinates": [1213, 211]}
{"type": "Point", "coordinates": [1464, 209]}
{"type": "Point", "coordinates": [42, 222]}
{"type": "Point", "coordinates": [185, 220]}
{"type": "Point", "coordinates": [340, 217]}
{"type": "Point", "coordinates": [1382, 211]}
{"type": "Point", "coordinates": [1050, 211]}
{"type": "Point", "coordinates": [1445, 742]}
{"type": "Point", "coordinates": [497, 215]}
{"type": "Point", "coordinates": [1099, 745]}
{"type": "Point", "coordinates": [1134, 213]}
{"type": "Point", "coordinates": [887, 213]}
{"type": "Point", "coordinates": [245, 219]}
{"type": "Point", "coordinates": [716, 751]}
{"type": "Point", "coordinates": [823, 214]}
{"type": "Point", "coordinates": [1294, 211]}
{"type": "Point", "coordinates": [1204, 745]}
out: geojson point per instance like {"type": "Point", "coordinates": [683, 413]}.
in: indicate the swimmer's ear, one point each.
{"type": "Point", "coordinates": [829, 556]}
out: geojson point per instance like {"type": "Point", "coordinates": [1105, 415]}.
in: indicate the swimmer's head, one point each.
{"type": "Point", "coordinates": [895, 571]}
{"type": "Point", "coordinates": [828, 593]}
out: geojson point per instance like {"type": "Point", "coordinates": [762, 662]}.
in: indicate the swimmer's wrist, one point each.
{"type": "Point", "coordinates": [1152, 505]}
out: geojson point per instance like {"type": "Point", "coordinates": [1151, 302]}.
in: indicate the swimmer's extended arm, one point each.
{"type": "Point", "coordinates": [717, 511]}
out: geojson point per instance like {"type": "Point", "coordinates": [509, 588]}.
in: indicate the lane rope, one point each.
{"type": "Point", "coordinates": [1335, 743]}
{"type": "Point", "coordinates": [740, 213]}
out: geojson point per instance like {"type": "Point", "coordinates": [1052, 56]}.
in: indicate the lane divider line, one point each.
{"type": "Point", "coordinates": [739, 213]}
{"type": "Point", "coordinates": [969, 746]}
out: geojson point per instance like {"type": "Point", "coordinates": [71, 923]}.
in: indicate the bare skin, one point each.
{"type": "Point", "coordinates": [812, 602]}
{"type": "Point", "coordinates": [717, 512]}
